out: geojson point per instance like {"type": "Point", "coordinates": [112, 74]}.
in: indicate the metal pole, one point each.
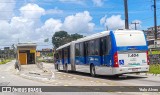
{"type": "Point", "coordinates": [135, 25]}
{"type": "Point", "coordinates": [155, 20]}
{"type": "Point", "coordinates": [126, 14]}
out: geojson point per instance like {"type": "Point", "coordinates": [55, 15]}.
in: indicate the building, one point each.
{"type": "Point", "coordinates": [150, 32]}
{"type": "Point", "coordinates": [26, 53]}
{"type": "Point", "coordinates": [154, 46]}
{"type": "Point", "coordinates": [7, 53]}
{"type": "Point", "coordinates": [45, 52]}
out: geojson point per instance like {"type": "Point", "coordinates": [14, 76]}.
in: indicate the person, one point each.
{"type": "Point", "coordinates": [17, 65]}
{"type": "Point", "coordinates": [56, 60]}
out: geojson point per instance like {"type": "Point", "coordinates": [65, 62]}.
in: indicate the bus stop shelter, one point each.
{"type": "Point", "coordinates": [26, 53]}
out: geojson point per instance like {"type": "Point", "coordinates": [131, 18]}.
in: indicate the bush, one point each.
{"type": "Point", "coordinates": [5, 61]}
{"type": "Point", "coordinates": [154, 68]}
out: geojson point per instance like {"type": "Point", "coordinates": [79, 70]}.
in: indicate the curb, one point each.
{"type": "Point", "coordinates": [149, 74]}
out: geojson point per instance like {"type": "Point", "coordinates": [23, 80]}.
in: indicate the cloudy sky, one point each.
{"type": "Point", "coordinates": [36, 20]}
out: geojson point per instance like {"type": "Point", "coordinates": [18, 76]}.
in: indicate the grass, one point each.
{"type": "Point", "coordinates": [154, 68]}
{"type": "Point", "coordinates": [5, 61]}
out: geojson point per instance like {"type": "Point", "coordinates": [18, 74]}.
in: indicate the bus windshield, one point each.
{"type": "Point", "coordinates": [130, 39]}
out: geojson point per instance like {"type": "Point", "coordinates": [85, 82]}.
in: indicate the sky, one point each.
{"type": "Point", "coordinates": [36, 20]}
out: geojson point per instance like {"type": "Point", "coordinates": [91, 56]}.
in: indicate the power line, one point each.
{"type": "Point", "coordinates": [135, 23]}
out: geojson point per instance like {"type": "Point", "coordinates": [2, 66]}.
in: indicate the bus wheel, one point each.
{"type": "Point", "coordinates": [66, 67]}
{"type": "Point", "coordinates": [118, 76]}
{"type": "Point", "coordinates": [92, 70]}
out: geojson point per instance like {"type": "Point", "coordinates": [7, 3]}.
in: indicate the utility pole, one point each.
{"type": "Point", "coordinates": [135, 23]}
{"type": "Point", "coordinates": [126, 14]}
{"type": "Point", "coordinates": [155, 22]}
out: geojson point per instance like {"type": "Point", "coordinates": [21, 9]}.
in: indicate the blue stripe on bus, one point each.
{"type": "Point", "coordinates": [113, 42]}
{"type": "Point", "coordinates": [79, 60]}
{"type": "Point", "coordinates": [66, 61]}
{"type": "Point", "coordinates": [107, 60]}
{"type": "Point", "coordinates": [96, 60]}
{"type": "Point", "coordinates": [114, 47]}
{"type": "Point", "coordinates": [124, 48]}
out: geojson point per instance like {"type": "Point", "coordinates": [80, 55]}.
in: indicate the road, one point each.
{"type": "Point", "coordinates": [8, 78]}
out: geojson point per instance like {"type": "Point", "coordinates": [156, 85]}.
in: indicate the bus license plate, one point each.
{"type": "Point", "coordinates": [135, 69]}
{"type": "Point", "coordinates": [133, 55]}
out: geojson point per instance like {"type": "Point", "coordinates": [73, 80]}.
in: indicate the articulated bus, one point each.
{"type": "Point", "coordinates": [106, 53]}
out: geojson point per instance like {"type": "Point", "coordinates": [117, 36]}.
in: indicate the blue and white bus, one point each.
{"type": "Point", "coordinates": [106, 53]}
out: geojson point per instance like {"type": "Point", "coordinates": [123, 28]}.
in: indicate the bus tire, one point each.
{"type": "Point", "coordinates": [92, 70]}
{"type": "Point", "coordinates": [118, 75]}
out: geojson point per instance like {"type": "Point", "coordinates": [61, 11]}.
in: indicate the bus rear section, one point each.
{"type": "Point", "coordinates": [131, 52]}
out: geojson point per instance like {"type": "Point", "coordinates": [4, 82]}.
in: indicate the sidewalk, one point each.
{"type": "Point", "coordinates": [32, 71]}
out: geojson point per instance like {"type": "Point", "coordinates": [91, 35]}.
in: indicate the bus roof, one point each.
{"type": "Point", "coordinates": [128, 31]}
{"type": "Point", "coordinates": [94, 36]}
{"type": "Point", "coordinates": [98, 35]}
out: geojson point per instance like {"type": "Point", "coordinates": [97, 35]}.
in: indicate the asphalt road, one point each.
{"type": "Point", "coordinates": [7, 78]}
{"type": "Point", "coordinates": [125, 80]}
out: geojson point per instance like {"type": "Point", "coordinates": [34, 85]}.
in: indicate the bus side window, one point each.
{"type": "Point", "coordinates": [101, 46]}
{"type": "Point", "coordinates": [56, 56]}
{"type": "Point", "coordinates": [86, 49]}
{"type": "Point", "coordinates": [77, 50]}
{"type": "Point", "coordinates": [103, 43]}
{"type": "Point", "coordinates": [60, 54]}
{"type": "Point", "coordinates": [108, 47]}
{"type": "Point", "coordinates": [97, 47]}
{"type": "Point", "coordinates": [91, 48]}
{"type": "Point", "coordinates": [66, 52]}
{"type": "Point", "coordinates": [81, 49]}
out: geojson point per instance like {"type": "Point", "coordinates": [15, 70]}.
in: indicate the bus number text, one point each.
{"type": "Point", "coordinates": [133, 55]}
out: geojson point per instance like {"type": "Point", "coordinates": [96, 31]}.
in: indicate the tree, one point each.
{"type": "Point", "coordinates": [59, 38]}
{"type": "Point", "coordinates": [75, 36]}
{"type": "Point", "coordinates": [62, 37]}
